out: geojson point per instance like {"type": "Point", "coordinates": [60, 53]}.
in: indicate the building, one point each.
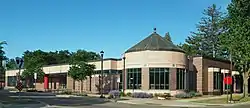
{"type": "Point", "coordinates": [153, 65]}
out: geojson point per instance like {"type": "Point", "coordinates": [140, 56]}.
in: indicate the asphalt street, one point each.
{"type": "Point", "coordinates": [80, 102]}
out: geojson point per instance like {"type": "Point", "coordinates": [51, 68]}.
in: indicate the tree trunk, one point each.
{"type": "Point", "coordinates": [90, 83]}
{"type": "Point", "coordinates": [81, 86]}
{"type": "Point", "coordinates": [74, 85]}
{"type": "Point", "coordinates": [245, 84]}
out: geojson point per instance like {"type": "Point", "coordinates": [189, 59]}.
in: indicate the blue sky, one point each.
{"type": "Point", "coordinates": [95, 25]}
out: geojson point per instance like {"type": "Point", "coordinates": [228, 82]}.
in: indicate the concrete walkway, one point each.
{"type": "Point", "coordinates": [161, 102]}
{"type": "Point", "coordinates": [177, 103]}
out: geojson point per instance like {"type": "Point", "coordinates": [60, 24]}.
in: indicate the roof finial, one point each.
{"type": "Point", "coordinates": [154, 30]}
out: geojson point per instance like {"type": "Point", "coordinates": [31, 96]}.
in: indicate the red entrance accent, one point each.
{"type": "Point", "coordinates": [46, 81]}
{"type": "Point", "coordinates": [228, 80]}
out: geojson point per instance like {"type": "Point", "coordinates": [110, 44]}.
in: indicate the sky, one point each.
{"type": "Point", "coordinates": [94, 25]}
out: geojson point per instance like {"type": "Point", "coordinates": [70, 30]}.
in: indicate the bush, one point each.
{"type": "Point", "coordinates": [129, 94]}
{"type": "Point", "coordinates": [156, 94]}
{"type": "Point", "coordinates": [198, 94]}
{"type": "Point", "coordinates": [183, 95]}
{"type": "Point", "coordinates": [192, 93]}
{"type": "Point", "coordinates": [67, 92]}
{"type": "Point", "coordinates": [114, 94]}
{"type": "Point", "coordinates": [81, 94]}
{"type": "Point", "coordinates": [142, 95]}
{"type": "Point", "coordinates": [164, 95]}
{"type": "Point", "coordinates": [122, 94]}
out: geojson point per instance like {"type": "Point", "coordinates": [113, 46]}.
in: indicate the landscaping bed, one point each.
{"type": "Point", "coordinates": [223, 100]}
{"type": "Point", "coordinates": [159, 96]}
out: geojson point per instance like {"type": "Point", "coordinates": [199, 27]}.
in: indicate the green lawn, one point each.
{"type": "Point", "coordinates": [223, 100]}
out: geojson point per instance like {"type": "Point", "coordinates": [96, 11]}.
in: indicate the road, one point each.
{"type": "Point", "coordinates": [82, 102]}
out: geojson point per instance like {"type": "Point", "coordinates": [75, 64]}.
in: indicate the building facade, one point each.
{"type": "Point", "coordinates": [154, 65]}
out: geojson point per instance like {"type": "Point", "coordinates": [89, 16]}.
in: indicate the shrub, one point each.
{"type": "Point", "coordinates": [129, 94]}
{"type": "Point", "coordinates": [183, 95]}
{"type": "Point", "coordinates": [156, 94]}
{"type": "Point", "coordinates": [114, 94]}
{"type": "Point", "coordinates": [67, 92]}
{"type": "Point", "coordinates": [198, 94]}
{"type": "Point", "coordinates": [81, 94]}
{"type": "Point", "coordinates": [122, 94]}
{"type": "Point", "coordinates": [164, 95]}
{"type": "Point", "coordinates": [142, 95]}
{"type": "Point", "coordinates": [192, 93]}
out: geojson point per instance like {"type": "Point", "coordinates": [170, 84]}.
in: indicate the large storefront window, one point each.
{"type": "Point", "coordinates": [180, 78]}
{"type": "Point", "coordinates": [11, 81]}
{"type": "Point", "coordinates": [121, 80]}
{"type": "Point", "coordinates": [238, 81]}
{"type": "Point", "coordinates": [217, 80]}
{"type": "Point", "coordinates": [159, 78]}
{"type": "Point", "coordinates": [134, 78]}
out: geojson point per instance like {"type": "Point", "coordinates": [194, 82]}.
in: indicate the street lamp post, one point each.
{"type": "Point", "coordinates": [124, 74]}
{"type": "Point", "coordinates": [102, 52]}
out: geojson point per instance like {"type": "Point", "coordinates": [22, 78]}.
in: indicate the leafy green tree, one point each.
{"type": "Point", "coordinates": [33, 63]}
{"type": "Point", "coordinates": [11, 64]}
{"type": "Point", "coordinates": [2, 57]}
{"type": "Point", "coordinates": [89, 71]}
{"type": "Point", "coordinates": [205, 41]}
{"type": "Point", "coordinates": [168, 37]}
{"type": "Point", "coordinates": [236, 38]}
{"type": "Point", "coordinates": [80, 69]}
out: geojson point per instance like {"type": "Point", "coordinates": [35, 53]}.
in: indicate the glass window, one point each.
{"type": "Point", "coordinates": [159, 78]}
{"type": "Point", "coordinates": [180, 78]}
{"type": "Point", "coordinates": [134, 78]}
{"type": "Point", "coordinates": [238, 82]}
{"type": "Point", "coordinates": [217, 80]}
{"type": "Point", "coordinates": [12, 81]}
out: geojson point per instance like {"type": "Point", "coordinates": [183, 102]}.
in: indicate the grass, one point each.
{"type": "Point", "coordinates": [223, 100]}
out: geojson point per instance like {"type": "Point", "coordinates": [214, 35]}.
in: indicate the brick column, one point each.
{"type": "Point", "coordinates": [69, 83]}
{"type": "Point", "coordinates": [172, 78]}
{"type": "Point", "coordinates": [234, 84]}
{"type": "Point", "coordinates": [145, 79]}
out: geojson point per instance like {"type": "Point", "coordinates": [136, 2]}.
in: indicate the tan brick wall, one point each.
{"type": "Point", "coordinates": [197, 61]}
{"type": "Point", "coordinates": [172, 78]}
{"type": "Point", "coordinates": [145, 79]}
{"type": "Point", "coordinates": [216, 64]}
{"type": "Point", "coordinates": [40, 86]}
{"type": "Point", "coordinates": [210, 81]}
{"type": "Point", "coordinates": [69, 83]}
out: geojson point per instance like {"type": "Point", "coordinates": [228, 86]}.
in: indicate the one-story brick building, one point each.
{"type": "Point", "coordinates": [153, 65]}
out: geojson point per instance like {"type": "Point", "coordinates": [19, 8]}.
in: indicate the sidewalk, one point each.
{"type": "Point", "coordinates": [161, 102]}
{"type": "Point", "coordinates": [176, 103]}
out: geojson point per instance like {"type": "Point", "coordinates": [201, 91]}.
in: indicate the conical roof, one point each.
{"type": "Point", "coordinates": [155, 42]}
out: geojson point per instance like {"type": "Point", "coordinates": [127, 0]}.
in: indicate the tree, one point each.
{"type": "Point", "coordinates": [188, 49]}
{"type": "Point", "coordinates": [11, 64]}
{"type": "Point", "coordinates": [2, 57]}
{"type": "Point", "coordinates": [89, 71]}
{"type": "Point", "coordinates": [205, 41]}
{"type": "Point", "coordinates": [236, 38]}
{"type": "Point", "coordinates": [168, 37]}
{"type": "Point", "coordinates": [80, 69]}
{"type": "Point", "coordinates": [33, 63]}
